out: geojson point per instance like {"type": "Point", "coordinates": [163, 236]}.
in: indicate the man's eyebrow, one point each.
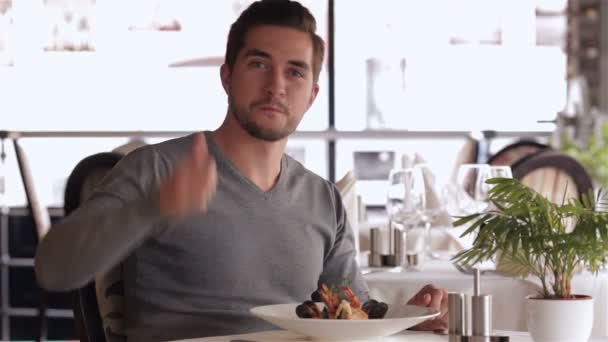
{"type": "Point", "coordinates": [257, 53]}
{"type": "Point", "coordinates": [300, 64]}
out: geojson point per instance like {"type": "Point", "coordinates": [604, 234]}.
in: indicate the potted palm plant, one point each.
{"type": "Point", "coordinates": [535, 237]}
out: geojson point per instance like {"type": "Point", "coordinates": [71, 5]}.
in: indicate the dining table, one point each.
{"type": "Point", "coordinates": [394, 285]}
{"type": "Point", "coordinates": [397, 285]}
{"type": "Point", "coordinates": [404, 336]}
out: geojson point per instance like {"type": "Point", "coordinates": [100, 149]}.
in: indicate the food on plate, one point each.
{"type": "Point", "coordinates": [341, 303]}
{"type": "Point", "coordinates": [375, 309]}
{"type": "Point", "coordinates": [308, 309]}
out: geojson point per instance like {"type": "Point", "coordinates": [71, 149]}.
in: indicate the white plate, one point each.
{"type": "Point", "coordinates": [398, 318]}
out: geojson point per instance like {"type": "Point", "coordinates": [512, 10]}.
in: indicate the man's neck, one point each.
{"type": "Point", "coordinates": [258, 160]}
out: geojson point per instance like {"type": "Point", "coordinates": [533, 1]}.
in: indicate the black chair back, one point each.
{"type": "Point", "coordinates": [87, 173]}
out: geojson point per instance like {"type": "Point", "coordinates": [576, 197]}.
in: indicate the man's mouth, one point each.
{"type": "Point", "coordinates": [272, 108]}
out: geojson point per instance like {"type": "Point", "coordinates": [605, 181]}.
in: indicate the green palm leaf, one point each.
{"type": "Point", "coordinates": [530, 233]}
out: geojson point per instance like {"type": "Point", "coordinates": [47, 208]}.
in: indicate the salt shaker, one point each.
{"type": "Point", "coordinates": [400, 241]}
{"type": "Point", "coordinates": [481, 307]}
{"type": "Point", "coordinates": [375, 258]}
{"type": "Point", "coordinates": [456, 316]}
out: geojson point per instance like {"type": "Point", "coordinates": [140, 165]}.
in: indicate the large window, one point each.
{"type": "Point", "coordinates": [123, 81]}
{"type": "Point", "coordinates": [445, 64]}
{"type": "Point", "coordinates": [404, 65]}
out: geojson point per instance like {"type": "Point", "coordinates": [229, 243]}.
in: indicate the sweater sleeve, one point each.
{"type": "Point", "coordinates": [122, 212]}
{"type": "Point", "coordinates": [340, 266]}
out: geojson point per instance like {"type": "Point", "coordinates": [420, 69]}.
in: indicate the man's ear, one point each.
{"type": "Point", "coordinates": [313, 94]}
{"type": "Point", "coordinates": [225, 74]}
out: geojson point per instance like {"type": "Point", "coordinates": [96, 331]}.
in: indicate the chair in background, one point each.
{"type": "Point", "coordinates": [556, 176]}
{"type": "Point", "coordinates": [130, 146]}
{"type": "Point", "coordinates": [42, 219]}
{"type": "Point", "coordinates": [97, 305]}
{"type": "Point", "coordinates": [42, 222]}
{"type": "Point", "coordinates": [511, 153]}
{"type": "Point", "coordinates": [553, 174]}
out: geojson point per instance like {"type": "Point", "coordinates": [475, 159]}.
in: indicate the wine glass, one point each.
{"type": "Point", "coordinates": [403, 201]}
{"type": "Point", "coordinates": [431, 203]}
{"type": "Point", "coordinates": [500, 171]}
{"type": "Point", "coordinates": [472, 188]}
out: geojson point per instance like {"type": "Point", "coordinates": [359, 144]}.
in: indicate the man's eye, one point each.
{"type": "Point", "coordinates": [296, 73]}
{"type": "Point", "coordinates": [258, 64]}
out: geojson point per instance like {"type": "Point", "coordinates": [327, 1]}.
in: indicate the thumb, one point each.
{"type": "Point", "coordinates": [199, 150]}
{"type": "Point", "coordinates": [427, 299]}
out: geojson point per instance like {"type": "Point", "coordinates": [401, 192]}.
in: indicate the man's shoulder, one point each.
{"type": "Point", "coordinates": [168, 149]}
{"type": "Point", "coordinates": [177, 145]}
{"type": "Point", "coordinates": [296, 169]}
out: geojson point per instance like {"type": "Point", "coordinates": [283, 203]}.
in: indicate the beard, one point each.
{"type": "Point", "coordinates": [245, 118]}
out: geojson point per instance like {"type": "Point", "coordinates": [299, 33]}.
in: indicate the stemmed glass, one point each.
{"type": "Point", "coordinates": [500, 171]}
{"type": "Point", "coordinates": [403, 200]}
{"type": "Point", "coordinates": [472, 188]}
{"type": "Point", "coordinates": [431, 203]}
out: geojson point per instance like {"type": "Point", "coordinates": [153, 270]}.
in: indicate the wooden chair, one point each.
{"type": "Point", "coordinates": [511, 153]}
{"type": "Point", "coordinates": [556, 176]}
{"type": "Point", "coordinates": [553, 174]}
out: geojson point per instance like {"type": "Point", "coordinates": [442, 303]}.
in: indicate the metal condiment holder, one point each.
{"type": "Point", "coordinates": [396, 249]}
{"type": "Point", "coordinates": [481, 316]}
{"type": "Point", "coordinates": [397, 256]}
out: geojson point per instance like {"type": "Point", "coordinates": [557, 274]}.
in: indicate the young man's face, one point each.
{"type": "Point", "coordinates": [271, 85]}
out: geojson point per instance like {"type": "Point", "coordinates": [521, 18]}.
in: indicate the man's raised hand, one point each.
{"type": "Point", "coordinates": [193, 183]}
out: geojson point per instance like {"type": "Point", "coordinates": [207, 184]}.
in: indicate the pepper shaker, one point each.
{"type": "Point", "coordinates": [456, 316]}
{"type": "Point", "coordinates": [375, 258]}
{"type": "Point", "coordinates": [481, 307]}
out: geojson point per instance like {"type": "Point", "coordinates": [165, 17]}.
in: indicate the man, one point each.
{"type": "Point", "coordinates": [210, 225]}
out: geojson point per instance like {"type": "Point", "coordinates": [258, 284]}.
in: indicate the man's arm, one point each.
{"type": "Point", "coordinates": [135, 200]}
{"type": "Point", "coordinates": [105, 228]}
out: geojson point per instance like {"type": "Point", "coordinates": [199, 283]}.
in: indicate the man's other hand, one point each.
{"type": "Point", "coordinates": [193, 183]}
{"type": "Point", "coordinates": [436, 299]}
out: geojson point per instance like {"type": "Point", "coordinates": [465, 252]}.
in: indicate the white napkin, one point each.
{"type": "Point", "coordinates": [347, 187]}
{"type": "Point", "coordinates": [433, 198]}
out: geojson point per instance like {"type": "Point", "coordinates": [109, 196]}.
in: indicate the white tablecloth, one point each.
{"type": "Point", "coordinates": [406, 336]}
{"type": "Point", "coordinates": [595, 286]}
{"type": "Point", "coordinates": [508, 293]}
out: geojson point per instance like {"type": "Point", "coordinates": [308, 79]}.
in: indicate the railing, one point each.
{"type": "Point", "coordinates": [329, 134]}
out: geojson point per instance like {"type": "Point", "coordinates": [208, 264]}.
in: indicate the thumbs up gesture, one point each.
{"type": "Point", "coordinates": [193, 183]}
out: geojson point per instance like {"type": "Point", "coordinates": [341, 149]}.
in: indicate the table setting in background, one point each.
{"type": "Point", "coordinates": [419, 214]}
{"type": "Point", "coordinates": [406, 253]}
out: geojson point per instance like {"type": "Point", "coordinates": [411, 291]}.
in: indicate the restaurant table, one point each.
{"type": "Point", "coordinates": [508, 293]}
{"type": "Point", "coordinates": [405, 336]}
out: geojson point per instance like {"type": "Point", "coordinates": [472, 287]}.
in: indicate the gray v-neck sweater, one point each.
{"type": "Point", "coordinates": [200, 275]}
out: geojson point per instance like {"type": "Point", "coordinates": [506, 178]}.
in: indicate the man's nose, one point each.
{"type": "Point", "coordinates": [275, 84]}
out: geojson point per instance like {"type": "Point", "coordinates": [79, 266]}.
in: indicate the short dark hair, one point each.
{"type": "Point", "coordinates": [284, 13]}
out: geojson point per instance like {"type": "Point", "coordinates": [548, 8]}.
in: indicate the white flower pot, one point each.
{"type": "Point", "coordinates": [560, 320]}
